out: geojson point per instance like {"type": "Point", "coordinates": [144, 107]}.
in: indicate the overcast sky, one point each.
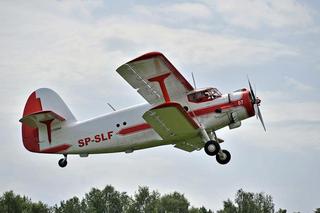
{"type": "Point", "coordinates": [74, 47]}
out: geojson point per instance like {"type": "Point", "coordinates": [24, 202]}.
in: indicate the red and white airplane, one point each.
{"type": "Point", "coordinates": [176, 114]}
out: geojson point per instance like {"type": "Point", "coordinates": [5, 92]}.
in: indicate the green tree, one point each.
{"type": "Point", "coordinates": [282, 211]}
{"type": "Point", "coordinates": [250, 202]}
{"type": "Point", "coordinates": [194, 210]}
{"type": "Point", "coordinates": [95, 201]}
{"type": "Point", "coordinates": [228, 207]}
{"type": "Point", "coordinates": [204, 210]}
{"type": "Point", "coordinates": [110, 200]}
{"type": "Point", "coordinates": [107, 200]}
{"type": "Point", "coordinates": [247, 202]}
{"type": "Point", "coordinates": [72, 205]}
{"type": "Point", "coordinates": [11, 203]}
{"type": "Point", "coordinates": [39, 208]}
{"type": "Point", "coordinates": [115, 201]}
{"type": "Point", "coordinates": [174, 203]}
{"type": "Point", "coordinates": [317, 210]}
{"type": "Point", "coordinates": [145, 201]}
{"type": "Point", "coordinates": [199, 210]}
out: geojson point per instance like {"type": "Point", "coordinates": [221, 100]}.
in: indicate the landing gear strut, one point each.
{"type": "Point", "coordinates": [63, 161]}
{"type": "Point", "coordinates": [212, 147]}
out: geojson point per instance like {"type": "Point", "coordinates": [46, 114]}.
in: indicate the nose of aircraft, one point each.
{"type": "Point", "coordinates": [258, 100]}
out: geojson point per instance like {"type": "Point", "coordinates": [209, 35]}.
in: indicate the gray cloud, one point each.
{"type": "Point", "coordinates": [271, 13]}
{"type": "Point", "coordinates": [68, 47]}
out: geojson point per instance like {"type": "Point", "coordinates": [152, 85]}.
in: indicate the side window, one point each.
{"type": "Point", "coordinates": [199, 96]}
{"type": "Point", "coordinates": [204, 95]}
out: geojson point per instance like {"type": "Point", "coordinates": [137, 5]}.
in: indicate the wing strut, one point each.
{"type": "Point", "coordinates": [160, 79]}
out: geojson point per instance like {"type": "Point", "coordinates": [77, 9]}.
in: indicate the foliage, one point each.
{"type": "Point", "coordinates": [12, 203]}
{"type": "Point", "coordinates": [72, 205]}
{"type": "Point", "coordinates": [282, 211]}
{"type": "Point", "coordinates": [246, 202]}
{"type": "Point", "coordinates": [145, 201]}
{"type": "Point", "coordinates": [228, 207]}
{"type": "Point", "coordinates": [109, 200]}
{"type": "Point", "coordinates": [199, 210]}
{"type": "Point", "coordinates": [173, 203]}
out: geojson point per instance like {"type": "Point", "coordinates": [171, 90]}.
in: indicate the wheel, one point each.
{"type": "Point", "coordinates": [212, 148]}
{"type": "Point", "coordinates": [224, 157]}
{"type": "Point", "coordinates": [62, 162]}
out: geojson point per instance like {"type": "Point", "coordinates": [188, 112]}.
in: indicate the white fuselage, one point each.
{"type": "Point", "coordinates": [125, 130]}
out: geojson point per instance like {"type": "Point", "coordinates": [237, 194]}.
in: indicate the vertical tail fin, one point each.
{"type": "Point", "coordinates": [44, 108]}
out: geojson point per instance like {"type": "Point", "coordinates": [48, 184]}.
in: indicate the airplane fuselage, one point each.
{"type": "Point", "coordinates": [125, 130]}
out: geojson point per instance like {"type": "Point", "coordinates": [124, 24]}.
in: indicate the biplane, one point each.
{"type": "Point", "coordinates": [175, 114]}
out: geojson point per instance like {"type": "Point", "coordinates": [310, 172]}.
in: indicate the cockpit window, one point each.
{"type": "Point", "coordinates": [204, 95]}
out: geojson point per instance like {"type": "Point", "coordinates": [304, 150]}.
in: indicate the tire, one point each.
{"type": "Point", "coordinates": [62, 162]}
{"type": "Point", "coordinates": [212, 148]}
{"type": "Point", "coordinates": [225, 158]}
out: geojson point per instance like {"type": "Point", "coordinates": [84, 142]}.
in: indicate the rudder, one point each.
{"type": "Point", "coordinates": [43, 107]}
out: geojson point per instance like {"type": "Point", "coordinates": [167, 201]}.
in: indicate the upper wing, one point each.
{"type": "Point", "coordinates": [155, 78]}
{"type": "Point", "coordinates": [173, 124]}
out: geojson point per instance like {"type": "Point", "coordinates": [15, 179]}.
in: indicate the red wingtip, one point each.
{"type": "Point", "coordinates": [147, 56]}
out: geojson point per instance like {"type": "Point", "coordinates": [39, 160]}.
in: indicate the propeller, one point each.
{"type": "Point", "coordinates": [256, 102]}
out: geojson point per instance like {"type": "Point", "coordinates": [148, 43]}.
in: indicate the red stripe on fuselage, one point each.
{"type": "Point", "coordinates": [56, 149]}
{"type": "Point", "coordinates": [197, 112]}
{"type": "Point", "coordinates": [212, 109]}
{"type": "Point", "coordinates": [134, 129]}
{"type": "Point", "coordinates": [245, 101]}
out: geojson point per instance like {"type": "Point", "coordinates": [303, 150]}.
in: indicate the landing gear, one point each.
{"type": "Point", "coordinates": [223, 157]}
{"type": "Point", "coordinates": [63, 161]}
{"type": "Point", "coordinates": [212, 148]}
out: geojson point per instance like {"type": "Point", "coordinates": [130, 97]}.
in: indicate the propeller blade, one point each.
{"type": "Point", "coordinates": [251, 92]}
{"type": "Point", "coordinates": [256, 109]}
{"type": "Point", "coordinates": [261, 119]}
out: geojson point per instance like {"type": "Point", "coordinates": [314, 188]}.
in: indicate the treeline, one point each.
{"type": "Point", "coordinates": [109, 200]}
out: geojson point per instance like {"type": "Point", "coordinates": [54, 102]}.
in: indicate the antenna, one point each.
{"type": "Point", "coordinates": [194, 81]}
{"type": "Point", "coordinates": [111, 107]}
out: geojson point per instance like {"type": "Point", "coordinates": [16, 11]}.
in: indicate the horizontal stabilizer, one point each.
{"type": "Point", "coordinates": [33, 120]}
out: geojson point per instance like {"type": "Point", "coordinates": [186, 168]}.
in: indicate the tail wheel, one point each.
{"type": "Point", "coordinates": [212, 148]}
{"type": "Point", "coordinates": [63, 162]}
{"type": "Point", "coordinates": [223, 157]}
